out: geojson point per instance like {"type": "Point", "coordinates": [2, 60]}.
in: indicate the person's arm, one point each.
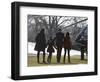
{"type": "Point", "coordinates": [63, 38]}
{"type": "Point", "coordinates": [54, 44]}
{"type": "Point", "coordinates": [36, 39]}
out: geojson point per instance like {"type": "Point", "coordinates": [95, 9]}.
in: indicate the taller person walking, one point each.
{"type": "Point", "coordinates": [59, 44]}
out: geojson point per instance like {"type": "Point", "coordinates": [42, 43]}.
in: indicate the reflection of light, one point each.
{"type": "Point", "coordinates": [33, 21]}
{"type": "Point", "coordinates": [39, 20]}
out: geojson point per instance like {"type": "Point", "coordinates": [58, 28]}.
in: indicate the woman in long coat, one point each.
{"type": "Point", "coordinates": [67, 46]}
{"type": "Point", "coordinates": [40, 45]}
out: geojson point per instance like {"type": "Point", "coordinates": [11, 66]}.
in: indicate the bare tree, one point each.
{"type": "Point", "coordinates": [52, 24]}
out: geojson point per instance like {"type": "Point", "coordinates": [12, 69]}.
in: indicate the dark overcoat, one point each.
{"type": "Point", "coordinates": [40, 42]}
{"type": "Point", "coordinates": [59, 39]}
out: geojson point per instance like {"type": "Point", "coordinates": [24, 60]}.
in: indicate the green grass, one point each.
{"type": "Point", "coordinates": [32, 61]}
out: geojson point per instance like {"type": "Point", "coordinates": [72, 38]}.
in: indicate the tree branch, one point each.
{"type": "Point", "coordinates": [76, 23]}
{"type": "Point", "coordinates": [63, 22]}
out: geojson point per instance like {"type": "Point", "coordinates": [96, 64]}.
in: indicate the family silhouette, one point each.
{"type": "Point", "coordinates": [53, 44]}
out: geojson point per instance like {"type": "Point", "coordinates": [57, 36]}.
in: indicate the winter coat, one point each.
{"type": "Point", "coordinates": [40, 42]}
{"type": "Point", "coordinates": [67, 43]}
{"type": "Point", "coordinates": [59, 39]}
{"type": "Point", "coordinates": [50, 46]}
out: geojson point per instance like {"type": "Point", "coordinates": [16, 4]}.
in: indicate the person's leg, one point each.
{"type": "Point", "coordinates": [44, 57]}
{"type": "Point", "coordinates": [82, 53]}
{"type": "Point", "coordinates": [64, 55]}
{"type": "Point", "coordinates": [50, 57]}
{"type": "Point", "coordinates": [68, 55]}
{"type": "Point", "coordinates": [38, 53]}
{"type": "Point", "coordinates": [57, 54]}
{"type": "Point", "coordinates": [60, 49]}
{"type": "Point", "coordinates": [86, 54]}
{"type": "Point", "coordinates": [48, 60]}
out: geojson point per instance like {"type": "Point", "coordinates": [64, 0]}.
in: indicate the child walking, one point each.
{"type": "Point", "coordinates": [50, 49]}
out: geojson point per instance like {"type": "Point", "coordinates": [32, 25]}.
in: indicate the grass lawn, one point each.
{"type": "Point", "coordinates": [32, 61]}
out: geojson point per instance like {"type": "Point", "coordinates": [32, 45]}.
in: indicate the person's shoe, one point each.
{"type": "Point", "coordinates": [69, 62]}
{"type": "Point", "coordinates": [44, 62]}
{"type": "Point", "coordinates": [58, 62]}
{"type": "Point", "coordinates": [49, 62]}
{"type": "Point", "coordinates": [38, 62]}
{"type": "Point", "coordinates": [64, 62]}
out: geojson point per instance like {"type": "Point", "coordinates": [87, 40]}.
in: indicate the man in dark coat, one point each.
{"type": "Point", "coordinates": [40, 45]}
{"type": "Point", "coordinates": [59, 43]}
